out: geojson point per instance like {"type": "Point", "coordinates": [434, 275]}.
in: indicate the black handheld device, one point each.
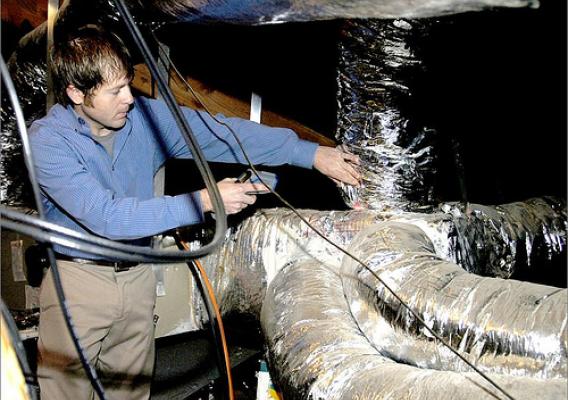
{"type": "Point", "coordinates": [268, 178]}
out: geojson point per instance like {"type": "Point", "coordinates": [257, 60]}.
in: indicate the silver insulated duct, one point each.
{"type": "Point", "coordinates": [334, 332]}
{"type": "Point", "coordinates": [378, 62]}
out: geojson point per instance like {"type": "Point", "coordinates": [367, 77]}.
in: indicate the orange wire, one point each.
{"type": "Point", "coordinates": [219, 320]}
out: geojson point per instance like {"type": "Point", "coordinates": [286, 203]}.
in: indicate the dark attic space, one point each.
{"type": "Point", "coordinates": [440, 275]}
{"type": "Point", "coordinates": [489, 93]}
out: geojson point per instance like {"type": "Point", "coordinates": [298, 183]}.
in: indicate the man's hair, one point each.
{"type": "Point", "coordinates": [86, 59]}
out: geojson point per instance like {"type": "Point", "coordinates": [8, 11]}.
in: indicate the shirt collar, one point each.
{"type": "Point", "coordinates": [68, 116]}
{"type": "Point", "coordinates": [79, 122]}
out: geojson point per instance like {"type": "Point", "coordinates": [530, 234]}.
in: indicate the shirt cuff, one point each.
{"type": "Point", "coordinates": [303, 154]}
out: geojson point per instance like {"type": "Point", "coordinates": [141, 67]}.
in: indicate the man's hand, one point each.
{"type": "Point", "coordinates": [234, 195]}
{"type": "Point", "coordinates": [338, 165]}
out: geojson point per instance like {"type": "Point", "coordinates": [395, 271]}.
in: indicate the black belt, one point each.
{"type": "Point", "coordinates": [117, 265]}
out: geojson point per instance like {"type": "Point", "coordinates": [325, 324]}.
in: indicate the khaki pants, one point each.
{"type": "Point", "coordinates": [113, 316]}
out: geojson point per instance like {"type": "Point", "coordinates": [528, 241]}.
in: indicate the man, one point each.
{"type": "Point", "coordinates": [96, 153]}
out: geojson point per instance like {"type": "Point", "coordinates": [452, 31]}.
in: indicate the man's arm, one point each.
{"type": "Point", "coordinates": [71, 187]}
{"type": "Point", "coordinates": [332, 162]}
{"type": "Point", "coordinates": [264, 145]}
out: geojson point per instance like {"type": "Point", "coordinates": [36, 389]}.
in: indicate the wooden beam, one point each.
{"type": "Point", "coordinates": [219, 102]}
{"type": "Point", "coordinates": [15, 12]}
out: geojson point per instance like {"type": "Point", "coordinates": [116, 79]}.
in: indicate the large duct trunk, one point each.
{"type": "Point", "coordinates": [263, 244]}
{"type": "Point", "coordinates": [334, 332]}
{"type": "Point", "coordinates": [317, 350]}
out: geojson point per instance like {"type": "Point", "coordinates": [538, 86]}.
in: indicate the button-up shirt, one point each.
{"type": "Point", "coordinates": [86, 189]}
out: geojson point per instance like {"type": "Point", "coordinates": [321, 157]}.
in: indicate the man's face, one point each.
{"type": "Point", "coordinates": [106, 108]}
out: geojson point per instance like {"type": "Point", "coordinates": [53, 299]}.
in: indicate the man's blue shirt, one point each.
{"type": "Point", "coordinates": [85, 189]}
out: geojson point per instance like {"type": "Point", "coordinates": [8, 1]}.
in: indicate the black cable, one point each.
{"type": "Point", "coordinates": [19, 349]}
{"type": "Point", "coordinates": [51, 232]}
{"type": "Point", "coordinates": [28, 159]}
{"type": "Point", "coordinates": [338, 247]}
{"type": "Point", "coordinates": [211, 185]}
{"type": "Point", "coordinates": [172, 104]}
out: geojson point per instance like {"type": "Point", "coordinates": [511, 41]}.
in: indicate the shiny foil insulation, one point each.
{"type": "Point", "coordinates": [503, 326]}
{"type": "Point", "coordinates": [378, 62]}
{"type": "Point", "coordinates": [333, 331]}
{"type": "Point", "coordinates": [509, 240]}
{"type": "Point", "coordinates": [318, 351]}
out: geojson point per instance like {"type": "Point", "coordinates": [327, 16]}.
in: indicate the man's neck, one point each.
{"type": "Point", "coordinates": [95, 128]}
{"type": "Point", "coordinates": [101, 132]}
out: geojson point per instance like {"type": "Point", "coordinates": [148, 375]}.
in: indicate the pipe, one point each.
{"type": "Point", "coordinates": [526, 354]}
{"type": "Point", "coordinates": [515, 240]}
{"type": "Point", "coordinates": [263, 244]}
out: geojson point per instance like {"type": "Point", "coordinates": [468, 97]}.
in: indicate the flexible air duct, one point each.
{"type": "Point", "coordinates": [317, 350]}
{"type": "Point", "coordinates": [379, 61]}
{"type": "Point", "coordinates": [264, 243]}
{"type": "Point", "coordinates": [503, 326]}
{"type": "Point", "coordinates": [333, 333]}
{"type": "Point", "coordinates": [511, 240]}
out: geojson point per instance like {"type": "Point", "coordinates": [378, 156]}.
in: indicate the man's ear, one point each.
{"type": "Point", "coordinates": [76, 95]}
